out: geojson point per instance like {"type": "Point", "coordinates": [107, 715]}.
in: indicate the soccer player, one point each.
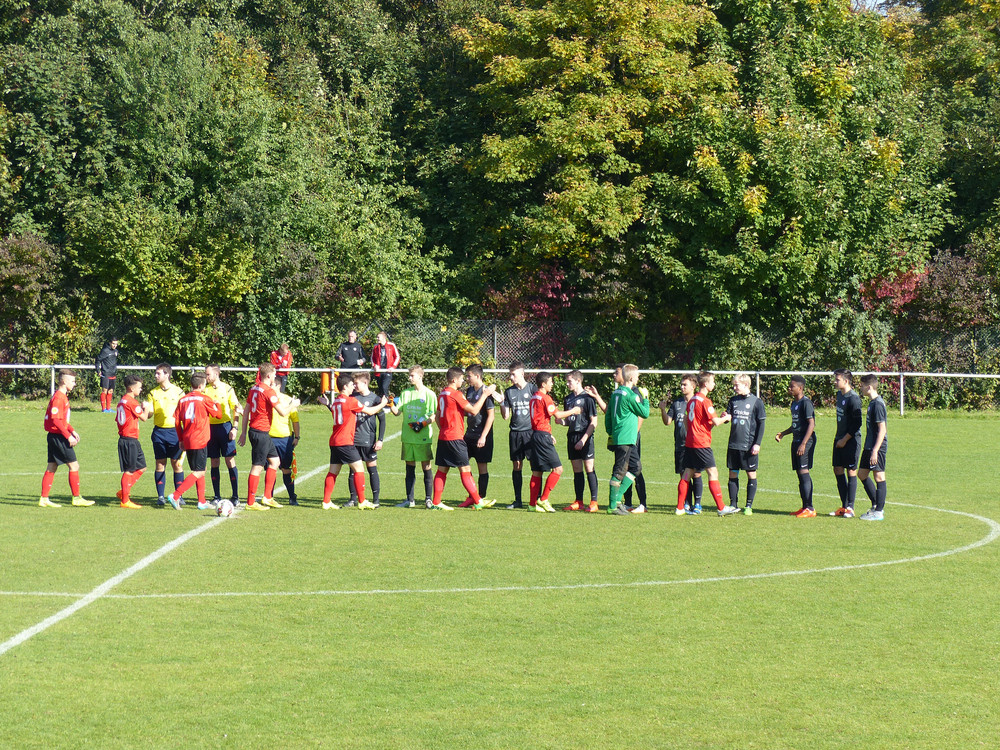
{"type": "Point", "coordinates": [675, 413]}
{"type": "Point", "coordinates": [344, 409]}
{"type": "Point", "coordinates": [634, 456]}
{"type": "Point", "coordinates": [385, 360]}
{"type": "Point", "coordinates": [479, 430]}
{"type": "Point", "coordinates": [284, 434]}
{"type": "Point", "coordinates": [451, 450]}
{"type": "Point", "coordinates": [262, 402]}
{"type": "Point", "coordinates": [130, 457]}
{"type": "Point", "coordinates": [418, 405]}
{"type": "Point", "coordinates": [876, 446]}
{"type": "Point", "coordinates": [543, 454]}
{"type": "Point", "coordinates": [698, 454]}
{"type": "Point", "coordinates": [621, 420]}
{"type": "Point", "coordinates": [281, 358]}
{"type": "Point", "coordinates": [350, 353]}
{"type": "Point", "coordinates": [192, 427]}
{"type": "Point", "coordinates": [106, 365]}
{"type": "Point", "coordinates": [746, 434]}
{"type": "Point", "coordinates": [365, 439]}
{"type": "Point", "coordinates": [515, 407]}
{"type": "Point", "coordinates": [222, 441]}
{"type": "Point", "coordinates": [580, 440]}
{"type": "Point", "coordinates": [803, 432]}
{"type": "Point", "coordinates": [847, 444]}
{"type": "Point", "coordinates": [62, 439]}
{"type": "Point", "coordinates": [163, 399]}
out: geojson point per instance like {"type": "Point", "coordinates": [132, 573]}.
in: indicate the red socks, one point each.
{"type": "Point", "coordinates": [270, 475]}
{"type": "Point", "coordinates": [331, 480]}
{"type": "Point", "coordinates": [253, 480]}
{"type": "Point", "coordinates": [47, 478]}
{"type": "Point", "coordinates": [189, 480]}
{"type": "Point", "coordinates": [439, 479]}
{"type": "Point", "coordinates": [682, 493]}
{"type": "Point", "coordinates": [359, 485]}
{"type": "Point", "coordinates": [74, 483]}
{"type": "Point", "coordinates": [129, 478]}
{"type": "Point", "coordinates": [550, 485]}
{"type": "Point", "coordinates": [470, 486]}
{"type": "Point", "coordinates": [716, 489]}
{"type": "Point", "coordinates": [534, 490]}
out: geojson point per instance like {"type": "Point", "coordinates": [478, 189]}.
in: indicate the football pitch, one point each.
{"type": "Point", "coordinates": [403, 628]}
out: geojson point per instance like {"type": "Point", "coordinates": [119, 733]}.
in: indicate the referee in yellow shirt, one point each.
{"type": "Point", "coordinates": [222, 438]}
{"type": "Point", "coordinates": [285, 436]}
{"type": "Point", "coordinates": [163, 403]}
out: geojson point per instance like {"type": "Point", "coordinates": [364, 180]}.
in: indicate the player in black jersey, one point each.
{"type": "Point", "coordinates": [479, 431]}
{"type": "Point", "coordinates": [675, 413]}
{"type": "Point", "coordinates": [516, 408]}
{"type": "Point", "coordinates": [874, 452]}
{"type": "Point", "coordinates": [746, 434]}
{"type": "Point", "coordinates": [350, 353]}
{"type": "Point", "coordinates": [365, 439]}
{"type": "Point", "coordinates": [580, 441]}
{"type": "Point", "coordinates": [803, 432]}
{"type": "Point", "coordinates": [847, 445]}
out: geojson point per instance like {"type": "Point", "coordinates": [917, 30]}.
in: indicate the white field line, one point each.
{"type": "Point", "coordinates": [104, 588]}
{"type": "Point", "coordinates": [994, 533]}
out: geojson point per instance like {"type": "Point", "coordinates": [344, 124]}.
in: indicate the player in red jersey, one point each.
{"type": "Point", "coordinates": [698, 454]}
{"type": "Point", "coordinates": [130, 457]}
{"type": "Point", "coordinates": [62, 438]}
{"type": "Point", "coordinates": [345, 409]}
{"type": "Point", "coordinates": [451, 448]}
{"type": "Point", "coordinates": [191, 424]}
{"type": "Point", "coordinates": [281, 358]}
{"type": "Point", "coordinates": [262, 401]}
{"type": "Point", "coordinates": [543, 454]}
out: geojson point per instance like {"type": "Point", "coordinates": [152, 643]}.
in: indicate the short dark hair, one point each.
{"type": "Point", "coordinates": [542, 377]}
{"type": "Point", "coordinates": [197, 380]}
{"type": "Point", "coordinates": [213, 366]}
{"type": "Point", "coordinates": [575, 374]}
{"type": "Point", "coordinates": [846, 374]}
{"type": "Point", "coordinates": [166, 368]}
{"type": "Point", "coordinates": [516, 365]}
{"type": "Point", "coordinates": [703, 377]}
{"type": "Point", "coordinates": [869, 380]}
{"type": "Point", "coordinates": [691, 377]}
{"type": "Point", "coordinates": [798, 379]}
{"type": "Point", "coordinates": [361, 375]}
{"type": "Point", "coordinates": [474, 369]}
{"type": "Point", "coordinates": [343, 379]}
{"type": "Point", "coordinates": [66, 374]}
{"type": "Point", "coordinates": [454, 373]}
{"type": "Point", "coordinates": [131, 380]}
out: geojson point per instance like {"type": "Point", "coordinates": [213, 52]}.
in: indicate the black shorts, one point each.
{"type": "Point", "coordinates": [847, 457]}
{"type": "Point", "coordinates": [634, 455]}
{"type": "Point", "coordinates": [367, 453]}
{"type": "Point", "coordinates": [745, 460]}
{"type": "Point", "coordinates": [108, 382]}
{"type": "Point", "coordinates": [166, 444]}
{"type": "Point", "coordinates": [520, 445]}
{"type": "Point", "coordinates": [344, 455]}
{"type": "Point", "coordinates": [805, 461]}
{"type": "Point", "coordinates": [261, 448]}
{"type": "Point", "coordinates": [130, 457]}
{"type": "Point", "coordinates": [866, 459]}
{"type": "Point", "coordinates": [480, 455]}
{"type": "Point", "coordinates": [572, 439]}
{"type": "Point", "coordinates": [60, 451]}
{"type": "Point", "coordinates": [623, 454]}
{"type": "Point", "coordinates": [699, 459]}
{"type": "Point", "coordinates": [219, 444]}
{"type": "Point", "coordinates": [543, 454]}
{"type": "Point", "coordinates": [197, 458]}
{"type": "Point", "coordinates": [286, 450]}
{"type": "Point", "coordinates": [452, 453]}
{"type": "Point", "coordinates": [679, 459]}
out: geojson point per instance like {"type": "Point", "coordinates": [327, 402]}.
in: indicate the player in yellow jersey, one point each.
{"type": "Point", "coordinates": [284, 434]}
{"type": "Point", "coordinates": [222, 441]}
{"type": "Point", "coordinates": [163, 403]}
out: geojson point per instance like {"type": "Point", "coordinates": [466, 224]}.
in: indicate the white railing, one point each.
{"type": "Point", "coordinates": [898, 375]}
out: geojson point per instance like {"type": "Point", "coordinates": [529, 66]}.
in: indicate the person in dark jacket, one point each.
{"type": "Point", "coordinates": [107, 370]}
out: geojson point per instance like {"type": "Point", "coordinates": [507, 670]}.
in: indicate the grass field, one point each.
{"type": "Point", "coordinates": [501, 629]}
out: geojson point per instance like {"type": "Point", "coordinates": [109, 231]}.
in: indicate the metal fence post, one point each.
{"type": "Point", "coordinates": [52, 381]}
{"type": "Point", "coordinates": [902, 398]}
{"type": "Point", "coordinates": [495, 361]}
{"type": "Point", "coordinates": [758, 383]}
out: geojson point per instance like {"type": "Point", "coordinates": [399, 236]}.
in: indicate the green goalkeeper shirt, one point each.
{"type": "Point", "coordinates": [622, 418]}
{"type": "Point", "coordinates": [415, 406]}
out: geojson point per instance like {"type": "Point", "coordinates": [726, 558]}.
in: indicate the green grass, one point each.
{"type": "Point", "coordinates": [897, 656]}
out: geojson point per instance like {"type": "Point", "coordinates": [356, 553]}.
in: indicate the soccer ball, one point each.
{"type": "Point", "coordinates": [226, 508]}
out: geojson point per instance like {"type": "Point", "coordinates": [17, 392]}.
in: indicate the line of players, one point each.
{"type": "Point", "coordinates": [200, 423]}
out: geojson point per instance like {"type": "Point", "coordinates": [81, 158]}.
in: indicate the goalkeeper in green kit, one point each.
{"type": "Point", "coordinates": [622, 424]}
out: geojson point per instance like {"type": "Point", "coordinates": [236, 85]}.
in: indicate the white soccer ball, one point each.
{"type": "Point", "coordinates": [226, 508]}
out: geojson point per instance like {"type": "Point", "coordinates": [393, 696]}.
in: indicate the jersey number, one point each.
{"type": "Point", "coordinates": [121, 416]}
{"type": "Point", "coordinates": [338, 413]}
{"type": "Point", "coordinates": [189, 412]}
{"type": "Point", "coordinates": [441, 403]}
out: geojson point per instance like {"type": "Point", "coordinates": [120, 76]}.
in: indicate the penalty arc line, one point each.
{"type": "Point", "coordinates": [102, 590]}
